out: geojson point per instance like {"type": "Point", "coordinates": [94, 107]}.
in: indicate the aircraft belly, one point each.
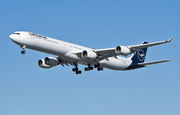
{"type": "Point", "coordinates": [116, 63]}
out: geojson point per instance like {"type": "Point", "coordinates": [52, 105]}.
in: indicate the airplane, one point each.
{"type": "Point", "coordinates": [72, 54]}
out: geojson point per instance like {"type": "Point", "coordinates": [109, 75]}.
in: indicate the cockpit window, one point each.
{"type": "Point", "coordinates": [17, 33]}
{"type": "Point", "coordinates": [37, 35]}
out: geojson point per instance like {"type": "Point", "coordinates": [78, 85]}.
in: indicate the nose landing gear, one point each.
{"type": "Point", "coordinates": [23, 51]}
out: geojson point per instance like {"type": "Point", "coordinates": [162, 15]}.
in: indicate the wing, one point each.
{"type": "Point", "coordinates": [137, 47]}
{"type": "Point", "coordinates": [110, 52]}
{"type": "Point", "coordinates": [64, 61]}
{"type": "Point", "coordinates": [105, 53]}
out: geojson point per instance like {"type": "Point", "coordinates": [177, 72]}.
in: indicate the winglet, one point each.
{"type": "Point", "coordinates": [170, 39]}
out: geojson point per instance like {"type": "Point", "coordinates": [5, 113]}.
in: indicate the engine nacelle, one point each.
{"type": "Point", "coordinates": [41, 63]}
{"type": "Point", "coordinates": [51, 61]}
{"type": "Point", "coordinates": [89, 54]}
{"type": "Point", "coordinates": [122, 50]}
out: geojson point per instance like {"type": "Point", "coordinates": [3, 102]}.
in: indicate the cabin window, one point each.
{"type": "Point", "coordinates": [37, 36]}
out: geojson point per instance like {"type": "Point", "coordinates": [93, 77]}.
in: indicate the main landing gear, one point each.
{"type": "Point", "coordinates": [99, 68]}
{"type": "Point", "coordinates": [76, 69]}
{"type": "Point", "coordinates": [23, 51]}
{"type": "Point", "coordinates": [88, 68]}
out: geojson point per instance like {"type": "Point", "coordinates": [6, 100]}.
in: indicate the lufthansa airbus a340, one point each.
{"type": "Point", "coordinates": [72, 54]}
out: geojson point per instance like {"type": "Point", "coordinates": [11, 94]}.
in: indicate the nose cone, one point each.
{"type": "Point", "coordinates": [14, 38]}
{"type": "Point", "coordinates": [11, 37]}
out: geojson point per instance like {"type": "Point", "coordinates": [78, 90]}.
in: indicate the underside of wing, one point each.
{"type": "Point", "coordinates": [105, 53]}
{"type": "Point", "coordinates": [64, 61]}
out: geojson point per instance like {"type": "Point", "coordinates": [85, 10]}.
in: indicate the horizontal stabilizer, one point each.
{"type": "Point", "coordinates": [154, 62]}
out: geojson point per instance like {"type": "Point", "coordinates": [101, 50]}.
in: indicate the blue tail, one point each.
{"type": "Point", "coordinates": [139, 56]}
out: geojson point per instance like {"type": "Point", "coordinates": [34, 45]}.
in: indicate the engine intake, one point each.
{"type": "Point", "coordinates": [122, 50]}
{"type": "Point", "coordinates": [89, 54]}
{"type": "Point", "coordinates": [48, 62]}
{"type": "Point", "coordinates": [41, 63]}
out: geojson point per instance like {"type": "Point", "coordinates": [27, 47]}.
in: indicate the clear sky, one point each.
{"type": "Point", "coordinates": [26, 89]}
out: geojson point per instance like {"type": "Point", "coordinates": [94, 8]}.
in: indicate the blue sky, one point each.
{"type": "Point", "coordinates": [26, 89]}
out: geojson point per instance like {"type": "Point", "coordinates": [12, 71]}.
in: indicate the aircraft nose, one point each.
{"type": "Point", "coordinates": [11, 37]}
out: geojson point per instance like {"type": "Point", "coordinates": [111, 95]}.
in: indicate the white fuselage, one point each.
{"type": "Point", "coordinates": [66, 50]}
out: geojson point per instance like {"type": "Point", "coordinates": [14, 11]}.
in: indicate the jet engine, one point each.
{"type": "Point", "coordinates": [51, 61]}
{"type": "Point", "coordinates": [48, 62]}
{"type": "Point", "coordinates": [122, 50]}
{"type": "Point", "coordinates": [41, 63]}
{"type": "Point", "coordinates": [89, 54]}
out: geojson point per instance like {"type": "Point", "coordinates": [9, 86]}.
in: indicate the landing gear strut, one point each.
{"type": "Point", "coordinates": [99, 68]}
{"type": "Point", "coordinates": [23, 51]}
{"type": "Point", "coordinates": [88, 68]}
{"type": "Point", "coordinates": [76, 69]}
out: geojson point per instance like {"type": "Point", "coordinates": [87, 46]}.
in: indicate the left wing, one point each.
{"type": "Point", "coordinates": [137, 47]}
{"type": "Point", "coordinates": [125, 50]}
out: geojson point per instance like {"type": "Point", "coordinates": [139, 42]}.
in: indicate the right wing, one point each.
{"type": "Point", "coordinates": [63, 61]}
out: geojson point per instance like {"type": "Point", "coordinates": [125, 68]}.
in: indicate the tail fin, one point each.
{"type": "Point", "coordinates": [140, 55]}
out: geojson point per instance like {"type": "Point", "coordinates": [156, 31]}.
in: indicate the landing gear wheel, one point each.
{"type": "Point", "coordinates": [95, 66]}
{"type": "Point", "coordinates": [100, 68]}
{"type": "Point", "coordinates": [23, 52]}
{"type": "Point", "coordinates": [79, 72]}
{"type": "Point", "coordinates": [86, 69]}
{"type": "Point", "coordinates": [91, 68]}
{"type": "Point", "coordinates": [76, 70]}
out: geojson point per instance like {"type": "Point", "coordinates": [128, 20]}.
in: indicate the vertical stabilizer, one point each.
{"type": "Point", "coordinates": [140, 55]}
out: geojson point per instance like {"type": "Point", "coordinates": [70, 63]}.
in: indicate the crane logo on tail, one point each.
{"type": "Point", "coordinates": [141, 55]}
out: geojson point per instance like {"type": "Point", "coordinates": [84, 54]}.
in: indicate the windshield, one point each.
{"type": "Point", "coordinates": [17, 33]}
